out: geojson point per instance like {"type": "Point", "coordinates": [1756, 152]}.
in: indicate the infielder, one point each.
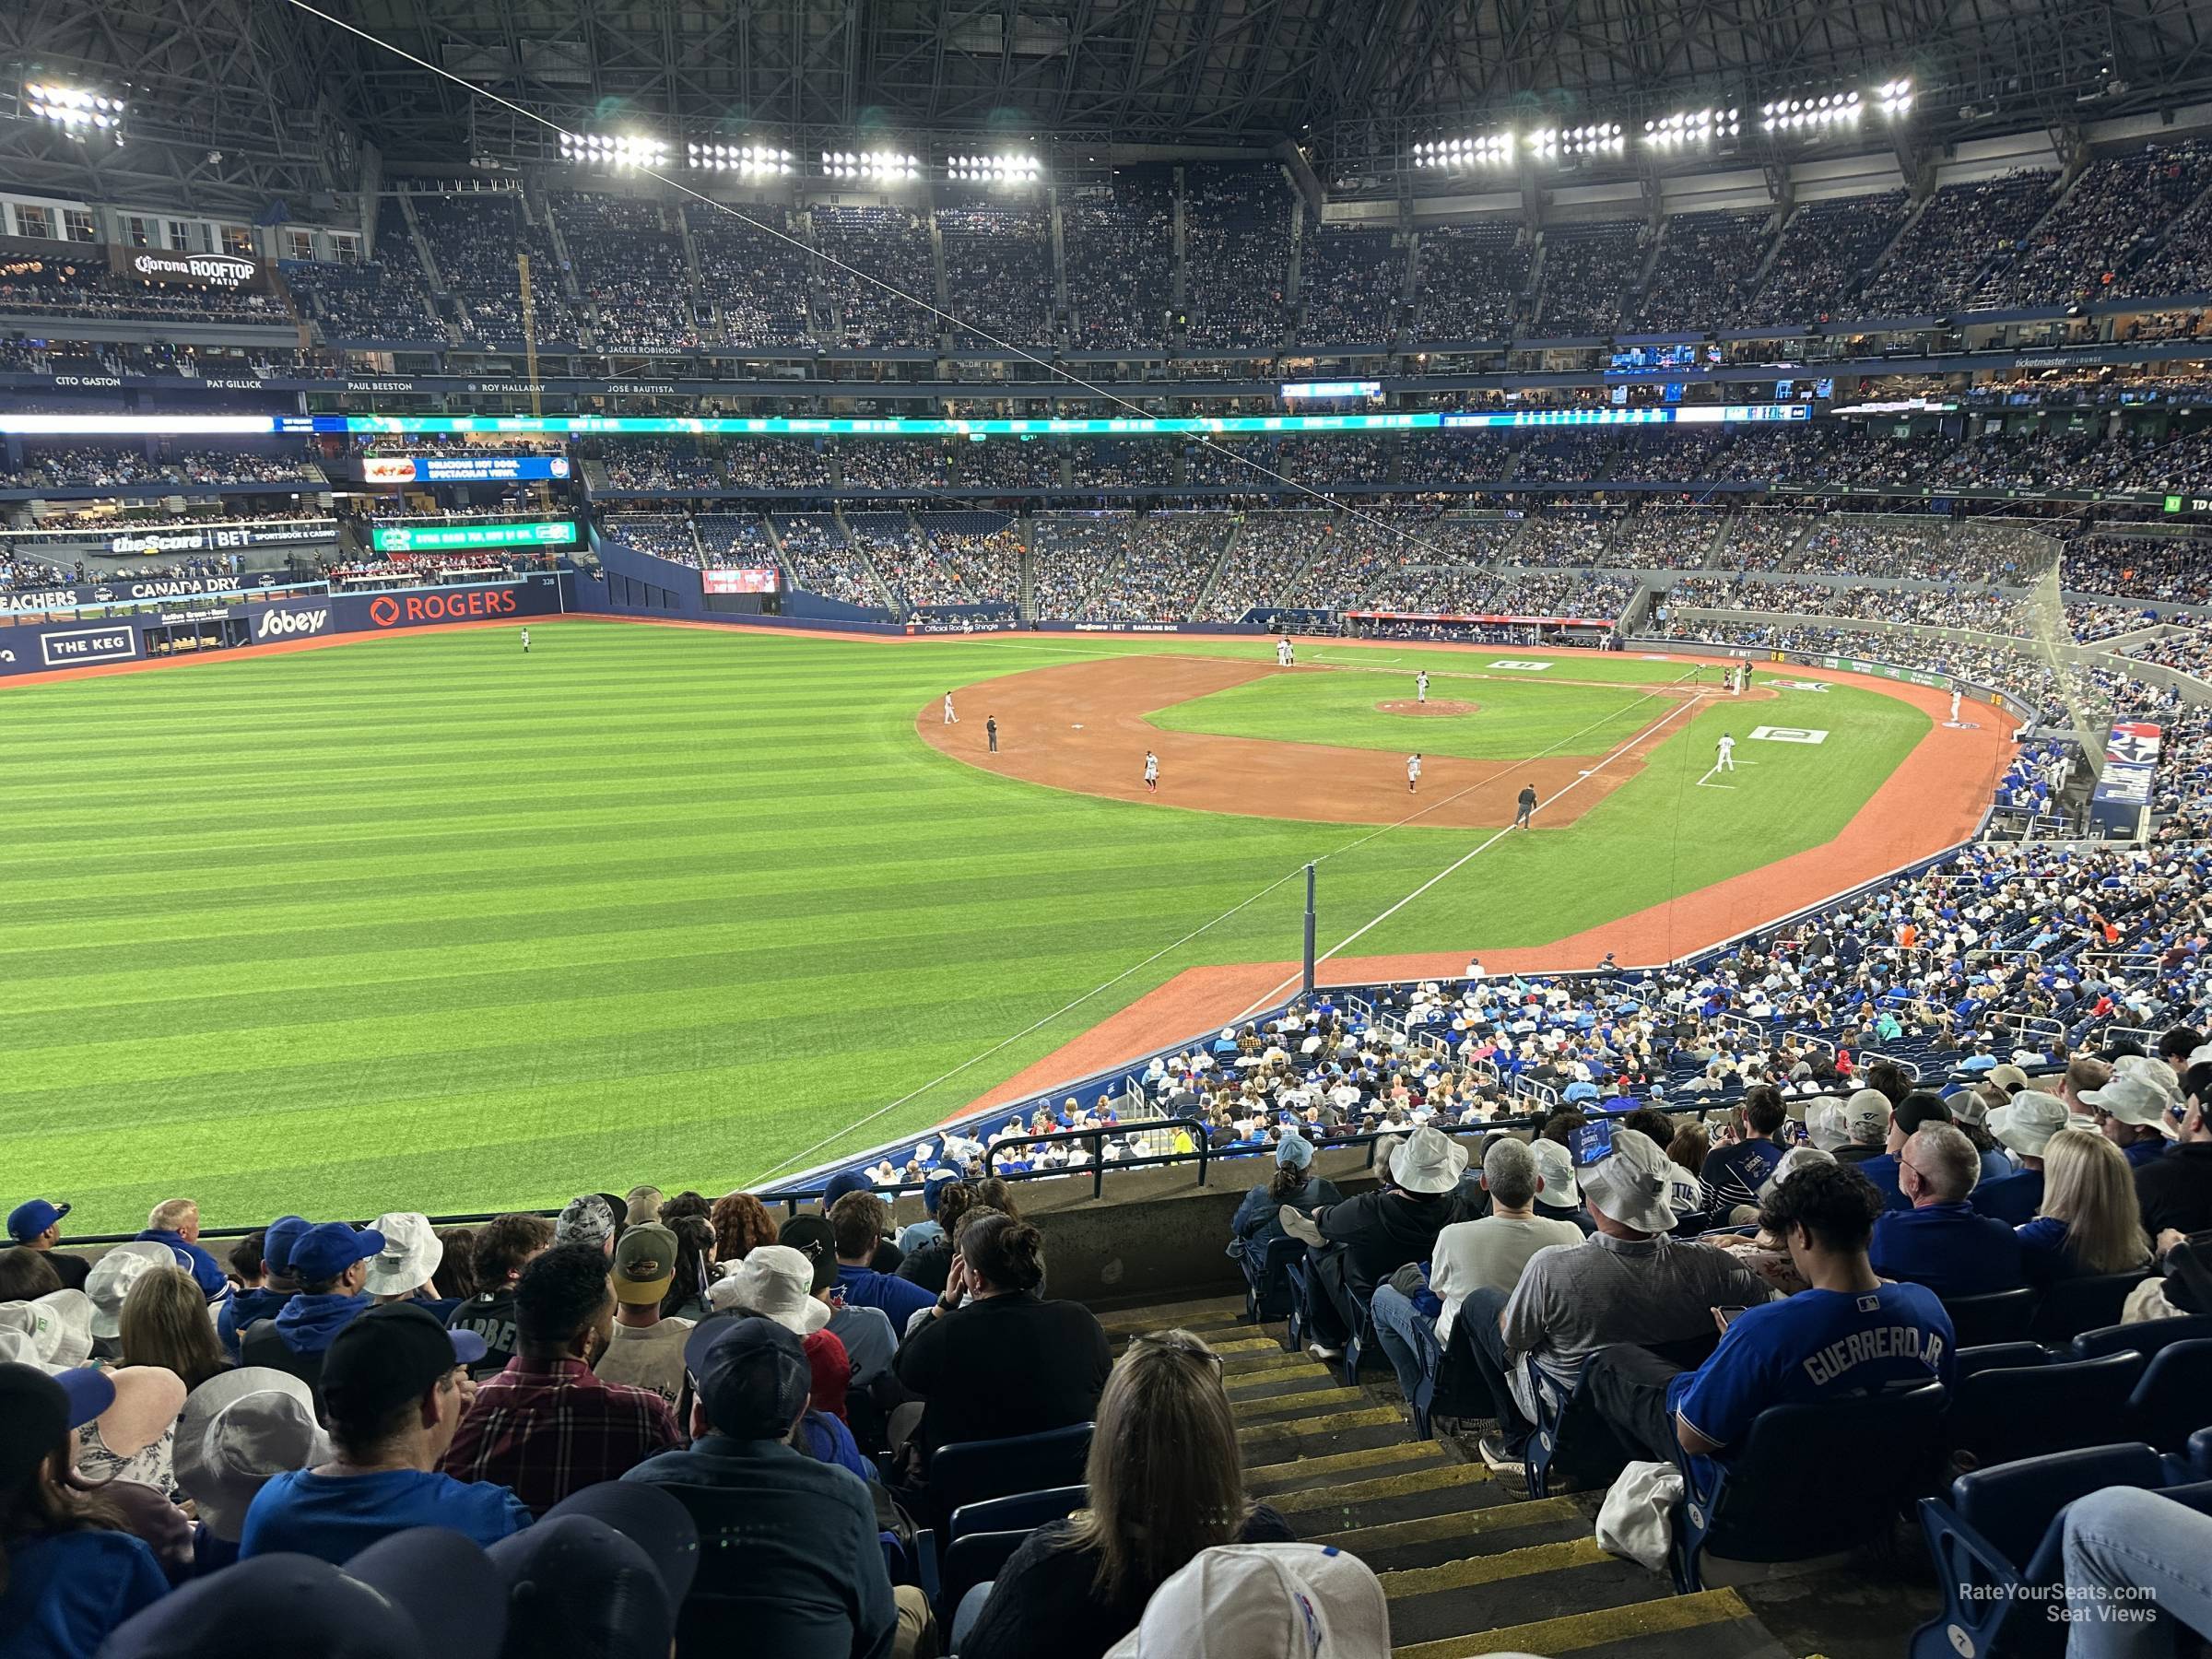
{"type": "Point", "coordinates": [1420, 686]}
{"type": "Point", "coordinates": [526, 641]}
{"type": "Point", "coordinates": [1151, 771]}
{"type": "Point", "coordinates": [990, 731]}
{"type": "Point", "coordinates": [1413, 773]}
{"type": "Point", "coordinates": [950, 718]}
{"type": "Point", "coordinates": [1284, 655]}
{"type": "Point", "coordinates": [1726, 761]}
{"type": "Point", "coordinates": [1528, 806]}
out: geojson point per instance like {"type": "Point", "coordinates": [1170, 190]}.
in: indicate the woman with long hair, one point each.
{"type": "Point", "coordinates": [741, 1224]}
{"type": "Point", "coordinates": [1165, 1483]}
{"type": "Point", "coordinates": [2090, 1221]}
{"type": "Point", "coordinates": [69, 1570]}
{"type": "Point", "coordinates": [991, 1358]}
{"type": "Point", "coordinates": [1258, 1220]}
{"type": "Point", "coordinates": [686, 1297]}
{"type": "Point", "coordinates": [165, 1323]}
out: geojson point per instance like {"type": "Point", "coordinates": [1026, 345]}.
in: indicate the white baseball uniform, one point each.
{"type": "Point", "coordinates": [1420, 686]}
{"type": "Point", "coordinates": [1727, 758]}
{"type": "Point", "coordinates": [1954, 705]}
{"type": "Point", "coordinates": [525, 640]}
{"type": "Point", "coordinates": [1151, 768]}
{"type": "Point", "coordinates": [1413, 770]}
{"type": "Point", "coordinates": [1282, 653]}
{"type": "Point", "coordinates": [950, 718]}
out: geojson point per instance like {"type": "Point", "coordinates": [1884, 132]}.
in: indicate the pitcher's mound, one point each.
{"type": "Point", "coordinates": [1435, 705]}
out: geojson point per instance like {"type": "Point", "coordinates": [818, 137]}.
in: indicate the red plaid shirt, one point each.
{"type": "Point", "coordinates": [547, 1428]}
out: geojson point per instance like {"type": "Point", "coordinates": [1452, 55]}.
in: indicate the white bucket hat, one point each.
{"type": "Point", "coordinates": [237, 1430]}
{"type": "Point", "coordinates": [113, 1276]}
{"type": "Point", "coordinates": [1429, 1161]}
{"type": "Point", "coordinates": [411, 1254]}
{"type": "Point", "coordinates": [2133, 1099]}
{"type": "Point", "coordinates": [776, 1282]}
{"type": "Point", "coordinates": [53, 1333]}
{"type": "Point", "coordinates": [2027, 1121]}
{"type": "Point", "coordinates": [1632, 1183]}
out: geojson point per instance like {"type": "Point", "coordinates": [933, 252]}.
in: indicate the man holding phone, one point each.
{"type": "Point", "coordinates": [1850, 1333]}
{"type": "Point", "coordinates": [1626, 1283]}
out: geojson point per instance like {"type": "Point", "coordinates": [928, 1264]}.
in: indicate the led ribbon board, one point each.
{"type": "Point", "coordinates": [446, 539]}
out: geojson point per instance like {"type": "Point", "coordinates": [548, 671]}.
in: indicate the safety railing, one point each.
{"type": "Point", "coordinates": [1909, 1067]}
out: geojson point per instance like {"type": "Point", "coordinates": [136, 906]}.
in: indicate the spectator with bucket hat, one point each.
{"type": "Point", "coordinates": [778, 1283]}
{"type": "Point", "coordinates": [2024, 1127]}
{"type": "Point", "coordinates": [238, 1431]}
{"type": "Point", "coordinates": [2175, 1188]}
{"type": "Point", "coordinates": [1357, 1244]}
{"type": "Point", "coordinates": [394, 1386]}
{"type": "Point", "coordinates": [1628, 1282]}
{"type": "Point", "coordinates": [36, 1224]}
{"type": "Point", "coordinates": [1560, 1198]}
{"type": "Point", "coordinates": [2132, 1105]}
{"type": "Point", "coordinates": [331, 1262]}
{"type": "Point", "coordinates": [110, 1283]}
{"type": "Point", "coordinates": [403, 1269]}
{"type": "Point", "coordinates": [54, 1332]}
{"type": "Point", "coordinates": [74, 1571]}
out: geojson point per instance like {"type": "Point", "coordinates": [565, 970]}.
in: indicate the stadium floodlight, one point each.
{"type": "Point", "coordinates": [1560, 144]}
{"type": "Point", "coordinates": [1828, 110]}
{"type": "Point", "coordinates": [1692, 126]}
{"type": "Point", "coordinates": [994, 169]}
{"type": "Point", "coordinates": [1492, 149]}
{"type": "Point", "coordinates": [613, 149]}
{"type": "Point", "coordinates": [755, 160]}
{"type": "Point", "coordinates": [1894, 97]}
{"type": "Point", "coordinates": [78, 112]}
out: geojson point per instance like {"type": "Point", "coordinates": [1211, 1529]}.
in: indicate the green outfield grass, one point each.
{"type": "Point", "coordinates": [422, 924]}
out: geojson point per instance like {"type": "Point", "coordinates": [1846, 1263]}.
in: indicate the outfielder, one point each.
{"type": "Point", "coordinates": [1413, 773]}
{"type": "Point", "coordinates": [1420, 686]}
{"type": "Point", "coordinates": [950, 718]}
{"type": "Point", "coordinates": [1151, 771]}
{"type": "Point", "coordinates": [1726, 761]}
{"type": "Point", "coordinates": [526, 641]}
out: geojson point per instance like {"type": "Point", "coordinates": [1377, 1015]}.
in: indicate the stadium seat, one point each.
{"type": "Point", "coordinates": [2002, 1316]}
{"type": "Point", "coordinates": [1573, 1444]}
{"type": "Point", "coordinates": [1998, 1534]}
{"type": "Point", "coordinates": [2010, 1413]}
{"type": "Point", "coordinates": [1268, 1292]}
{"type": "Point", "coordinates": [2145, 1336]}
{"type": "Point", "coordinates": [2200, 1453]}
{"type": "Point", "coordinates": [972, 1471]}
{"type": "Point", "coordinates": [1755, 1508]}
{"type": "Point", "coordinates": [1294, 1321]}
{"type": "Point", "coordinates": [2074, 1305]}
{"type": "Point", "coordinates": [973, 1559]}
{"type": "Point", "coordinates": [2001, 1356]}
{"type": "Point", "coordinates": [1015, 1513]}
{"type": "Point", "coordinates": [2172, 1401]}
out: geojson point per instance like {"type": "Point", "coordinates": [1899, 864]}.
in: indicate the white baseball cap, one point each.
{"type": "Point", "coordinates": [1264, 1601]}
{"type": "Point", "coordinates": [1866, 1116]}
{"type": "Point", "coordinates": [1557, 1166]}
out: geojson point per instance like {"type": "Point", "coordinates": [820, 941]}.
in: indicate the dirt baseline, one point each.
{"type": "Point", "coordinates": [1081, 726]}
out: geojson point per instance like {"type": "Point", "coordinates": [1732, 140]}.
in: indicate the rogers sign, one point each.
{"type": "Point", "coordinates": [391, 610]}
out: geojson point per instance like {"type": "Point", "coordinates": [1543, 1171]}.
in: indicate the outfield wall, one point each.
{"type": "Point", "coordinates": [238, 627]}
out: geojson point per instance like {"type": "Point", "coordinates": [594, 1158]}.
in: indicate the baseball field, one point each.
{"type": "Point", "coordinates": [425, 922]}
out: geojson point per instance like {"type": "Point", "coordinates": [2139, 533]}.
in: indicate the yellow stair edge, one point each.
{"type": "Point", "coordinates": [1577, 1632]}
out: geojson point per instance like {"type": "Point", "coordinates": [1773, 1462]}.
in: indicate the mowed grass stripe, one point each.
{"type": "Point", "coordinates": [423, 924]}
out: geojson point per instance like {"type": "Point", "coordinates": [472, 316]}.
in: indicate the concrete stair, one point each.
{"type": "Point", "coordinates": [1470, 1566]}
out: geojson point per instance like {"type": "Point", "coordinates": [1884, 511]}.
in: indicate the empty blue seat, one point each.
{"type": "Point", "coordinates": [2173, 1402]}
{"type": "Point", "coordinates": [2145, 1336]}
{"type": "Point", "coordinates": [2001, 1415]}
{"type": "Point", "coordinates": [2001, 1316]}
{"type": "Point", "coordinates": [1268, 1292]}
{"type": "Point", "coordinates": [1017, 1512]}
{"type": "Point", "coordinates": [2071, 1306]}
{"type": "Point", "coordinates": [972, 1471]}
{"type": "Point", "coordinates": [2000, 1356]}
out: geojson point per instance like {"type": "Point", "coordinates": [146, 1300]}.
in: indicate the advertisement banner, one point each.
{"type": "Point", "coordinates": [740, 581]}
{"type": "Point", "coordinates": [421, 607]}
{"type": "Point", "coordinates": [487, 468]}
{"type": "Point", "coordinates": [153, 540]}
{"type": "Point", "coordinates": [1381, 615]}
{"type": "Point", "coordinates": [445, 538]}
{"type": "Point", "coordinates": [2131, 760]}
{"type": "Point", "coordinates": [133, 591]}
{"type": "Point", "coordinates": [232, 272]}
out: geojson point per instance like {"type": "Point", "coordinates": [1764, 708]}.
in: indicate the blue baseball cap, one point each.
{"type": "Point", "coordinates": [325, 1251]}
{"type": "Point", "coordinates": [753, 1376]}
{"type": "Point", "coordinates": [843, 1181]}
{"type": "Point", "coordinates": [279, 1242]}
{"type": "Point", "coordinates": [27, 1221]}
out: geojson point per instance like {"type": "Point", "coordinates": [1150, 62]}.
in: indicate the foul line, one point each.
{"type": "Point", "coordinates": [1497, 836]}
